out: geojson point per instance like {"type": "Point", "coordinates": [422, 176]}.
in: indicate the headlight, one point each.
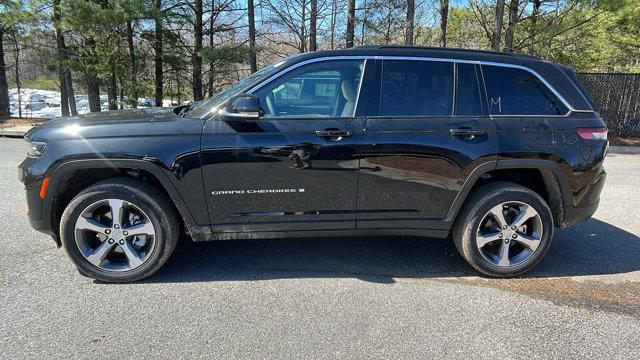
{"type": "Point", "coordinates": [36, 148]}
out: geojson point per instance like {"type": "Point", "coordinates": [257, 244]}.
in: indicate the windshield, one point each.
{"type": "Point", "coordinates": [203, 108]}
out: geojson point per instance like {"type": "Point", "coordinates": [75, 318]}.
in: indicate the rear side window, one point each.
{"type": "Point", "coordinates": [513, 91]}
{"type": "Point", "coordinates": [411, 88]}
{"type": "Point", "coordinates": [468, 91]}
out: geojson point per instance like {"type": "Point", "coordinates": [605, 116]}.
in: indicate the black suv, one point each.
{"type": "Point", "coordinates": [492, 149]}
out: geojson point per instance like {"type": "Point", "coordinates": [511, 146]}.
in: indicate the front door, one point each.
{"type": "Point", "coordinates": [427, 131]}
{"type": "Point", "coordinates": [296, 167]}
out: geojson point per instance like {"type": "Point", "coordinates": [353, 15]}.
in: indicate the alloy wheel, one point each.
{"type": "Point", "coordinates": [509, 234]}
{"type": "Point", "coordinates": [115, 235]}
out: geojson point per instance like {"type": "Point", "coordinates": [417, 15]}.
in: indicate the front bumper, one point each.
{"type": "Point", "coordinates": [35, 204]}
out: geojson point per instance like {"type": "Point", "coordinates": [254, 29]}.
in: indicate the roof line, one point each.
{"type": "Point", "coordinates": [400, 47]}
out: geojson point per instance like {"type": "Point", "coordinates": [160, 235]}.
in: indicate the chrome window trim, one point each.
{"type": "Point", "coordinates": [415, 58]}
{"type": "Point", "coordinates": [492, 63]}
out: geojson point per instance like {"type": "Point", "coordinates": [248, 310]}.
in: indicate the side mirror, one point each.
{"type": "Point", "coordinates": [241, 107]}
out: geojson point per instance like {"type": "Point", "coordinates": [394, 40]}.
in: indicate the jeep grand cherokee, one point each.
{"type": "Point", "coordinates": [491, 150]}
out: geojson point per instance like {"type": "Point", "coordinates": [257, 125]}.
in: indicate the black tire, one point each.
{"type": "Point", "coordinates": [154, 203]}
{"type": "Point", "coordinates": [480, 203]}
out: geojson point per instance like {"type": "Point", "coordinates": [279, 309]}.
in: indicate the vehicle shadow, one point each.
{"type": "Point", "coordinates": [591, 248]}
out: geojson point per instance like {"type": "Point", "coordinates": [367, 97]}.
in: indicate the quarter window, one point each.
{"type": "Point", "coordinates": [423, 88]}
{"type": "Point", "coordinates": [513, 91]}
{"type": "Point", "coordinates": [321, 89]}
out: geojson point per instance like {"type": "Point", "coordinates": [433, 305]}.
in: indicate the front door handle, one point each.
{"type": "Point", "coordinates": [333, 134]}
{"type": "Point", "coordinates": [467, 133]}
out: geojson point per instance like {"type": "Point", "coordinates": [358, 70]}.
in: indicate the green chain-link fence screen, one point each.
{"type": "Point", "coordinates": [617, 99]}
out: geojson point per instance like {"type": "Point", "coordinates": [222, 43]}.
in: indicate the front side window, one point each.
{"type": "Point", "coordinates": [321, 89]}
{"type": "Point", "coordinates": [512, 91]}
{"type": "Point", "coordinates": [417, 88]}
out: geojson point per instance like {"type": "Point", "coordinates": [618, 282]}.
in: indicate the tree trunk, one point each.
{"type": "Point", "coordinates": [497, 29]}
{"type": "Point", "coordinates": [64, 96]}
{"type": "Point", "coordinates": [196, 60]}
{"type": "Point", "coordinates": [5, 112]}
{"type": "Point", "coordinates": [313, 24]}
{"type": "Point", "coordinates": [92, 82]}
{"type": "Point", "coordinates": [303, 35]}
{"type": "Point", "coordinates": [363, 27]}
{"type": "Point", "coordinates": [158, 52]}
{"type": "Point", "coordinates": [511, 26]}
{"type": "Point", "coordinates": [411, 12]}
{"type": "Point", "coordinates": [121, 97]}
{"type": "Point", "coordinates": [211, 64]}
{"type": "Point", "coordinates": [534, 20]}
{"type": "Point", "coordinates": [71, 94]}
{"type": "Point", "coordinates": [134, 66]}
{"type": "Point", "coordinates": [351, 23]}
{"type": "Point", "coordinates": [334, 16]}
{"type": "Point", "coordinates": [17, 69]}
{"type": "Point", "coordinates": [252, 37]}
{"type": "Point", "coordinates": [93, 92]}
{"type": "Point", "coordinates": [66, 81]}
{"type": "Point", "coordinates": [112, 92]}
{"type": "Point", "coordinates": [444, 19]}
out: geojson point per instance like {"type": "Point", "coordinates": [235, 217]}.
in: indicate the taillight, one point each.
{"type": "Point", "coordinates": [593, 134]}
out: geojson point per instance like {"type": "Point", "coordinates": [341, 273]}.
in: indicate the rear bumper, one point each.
{"type": "Point", "coordinates": [588, 206]}
{"type": "Point", "coordinates": [574, 215]}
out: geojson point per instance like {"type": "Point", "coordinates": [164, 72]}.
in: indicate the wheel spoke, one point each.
{"type": "Point", "coordinates": [503, 255]}
{"type": "Point", "coordinates": [496, 211]}
{"type": "Point", "coordinates": [90, 224]}
{"type": "Point", "coordinates": [529, 242]}
{"type": "Point", "coordinates": [117, 211]}
{"type": "Point", "coordinates": [132, 255]}
{"type": "Point", "coordinates": [484, 239]}
{"type": "Point", "coordinates": [141, 229]}
{"type": "Point", "coordinates": [98, 255]}
{"type": "Point", "coordinates": [523, 216]}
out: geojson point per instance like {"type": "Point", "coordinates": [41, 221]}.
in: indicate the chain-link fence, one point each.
{"type": "Point", "coordinates": [617, 99]}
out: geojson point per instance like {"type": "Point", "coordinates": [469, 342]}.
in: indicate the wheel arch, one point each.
{"type": "Point", "coordinates": [552, 183]}
{"type": "Point", "coordinates": [66, 181]}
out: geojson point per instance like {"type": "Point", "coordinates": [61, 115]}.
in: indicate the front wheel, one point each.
{"type": "Point", "coordinates": [120, 230]}
{"type": "Point", "coordinates": [504, 230]}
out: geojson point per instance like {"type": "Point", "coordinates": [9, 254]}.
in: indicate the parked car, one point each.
{"type": "Point", "coordinates": [491, 150]}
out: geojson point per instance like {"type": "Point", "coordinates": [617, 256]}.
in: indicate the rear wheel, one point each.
{"type": "Point", "coordinates": [504, 229]}
{"type": "Point", "coordinates": [120, 230]}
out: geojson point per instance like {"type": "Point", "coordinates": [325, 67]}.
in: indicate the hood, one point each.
{"type": "Point", "coordinates": [115, 116]}
{"type": "Point", "coordinates": [129, 122]}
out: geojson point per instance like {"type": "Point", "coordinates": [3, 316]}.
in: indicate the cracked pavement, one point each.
{"type": "Point", "coordinates": [329, 298]}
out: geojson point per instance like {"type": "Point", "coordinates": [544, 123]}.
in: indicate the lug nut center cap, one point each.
{"type": "Point", "coordinates": [116, 233]}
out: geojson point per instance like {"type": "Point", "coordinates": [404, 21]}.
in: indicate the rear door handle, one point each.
{"type": "Point", "coordinates": [334, 134]}
{"type": "Point", "coordinates": [467, 132]}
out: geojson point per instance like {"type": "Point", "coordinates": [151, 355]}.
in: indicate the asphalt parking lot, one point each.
{"type": "Point", "coordinates": [325, 299]}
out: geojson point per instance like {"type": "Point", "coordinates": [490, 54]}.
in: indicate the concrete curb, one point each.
{"type": "Point", "coordinates": [624, 150]}
{"type": "Point", "coordinates": [16, 131]}
{"type": "Point", "coordinates": [12, 133]}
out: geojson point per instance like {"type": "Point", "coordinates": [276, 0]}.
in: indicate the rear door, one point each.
{"type": "Point", "coordinates": [427, 132]}
{"type": "Point", "coordinates": [296, 167]}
